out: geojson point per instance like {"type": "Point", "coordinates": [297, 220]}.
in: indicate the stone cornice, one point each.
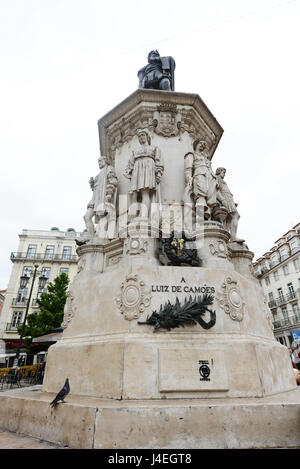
{"type": "Point", "coordinates": [97, 247]}
{"type": "Point", "coordinates": [145, 101]}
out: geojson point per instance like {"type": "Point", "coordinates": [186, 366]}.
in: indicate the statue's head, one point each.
{"type": "Point", "coordinates": [153, 56]}
{"type": "Point", "coordinates": [103, 161]}
{"type": "Point", "coordinates": [143, 136]}
{"type": "Point", "coordinates": [221, 172]}
{"type": "Point", "coordinates": [200, 145]}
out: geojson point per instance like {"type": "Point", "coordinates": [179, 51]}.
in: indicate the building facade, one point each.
{"type": "Point", "coordinates": [2, 298]}
{"type": "Point", "coordinates": [278, 271]}
{"type": "Point", "coordinates": [54, 252]}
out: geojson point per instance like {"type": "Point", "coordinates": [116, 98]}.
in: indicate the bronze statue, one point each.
{"type": "Point", "coordinates": [158, 74]}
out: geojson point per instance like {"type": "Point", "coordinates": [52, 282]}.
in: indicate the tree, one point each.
{"type": "Point", "coordinates": [51, 311]}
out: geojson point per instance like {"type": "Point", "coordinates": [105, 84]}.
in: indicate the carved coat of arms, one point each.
{"type": "Point", "coordinates": [166, 120]}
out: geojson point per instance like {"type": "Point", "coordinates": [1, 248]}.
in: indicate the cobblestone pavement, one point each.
{"type": "Point", "coordinates": [10, 440]}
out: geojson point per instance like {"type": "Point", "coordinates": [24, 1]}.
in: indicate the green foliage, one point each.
{"type": "Point", "coordinates": [51, 310]}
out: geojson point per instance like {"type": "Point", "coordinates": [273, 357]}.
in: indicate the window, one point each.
{"type": "Point", "coordinates": [291, 290]}
{"type": "Point", "coordinates": [285, 314]}
{"type": "Point", "coordinates": [46, 271]}
{"type": "Point", "coordinates": [67, 252]}
{"type": "Point", "coordinates": [16, 319]}
{"type": "Point", "coordinates": [40, 291]}
{"type": "Point", "coordinates": [294, 246]}
{"type": "Point", "coordinates": [49, 252]}
{"type": "Point", "coordinates": [64, 269]}
{"type": "Point", "coordinates": [276, 275]}
{"type": "Point", "coordinates": [274, 260]}
{"type": "Point", "coordinates": [285, 269]}
{"type": "Point", "coordinates": [22, 295]}
{"type": "Point", "coordinates": [280, 293]}
{"type": "Point", "coordinates": [284, 254]}
{"type": "Point", "coordinates": [271, 297]}
{"type": "Point", "coordinates": [267, 280]}
{"type": "Point", "coordinates": [27, 270]}
{"type": "Point", "coordinates": [31, 251]}
{"type": "Point", "coordinates": [296, 310]}
{"type": "Point", "coordinates": [296, 264]}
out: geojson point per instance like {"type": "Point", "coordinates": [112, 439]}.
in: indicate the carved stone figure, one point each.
{"type": "Point", "coordinates": [200, 180]}
{"type": "Point", "coordinates": [102, 203]}
{"type": "Point", "coordinates": [144, 169]}
{"type": "Point", "coordinates": [158, 74]}
{"type": "Point", "coordinates": [225, 197]}
{"type": "Point", "coordinates": [69, 309]}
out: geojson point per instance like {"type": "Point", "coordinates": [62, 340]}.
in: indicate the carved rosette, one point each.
{"type": "Point", "coordinates": [230, 299]}
{"type": "Point", "coordinates": [134, 297]}
{"type": "Point", "coordinates": [135, 246]}
{"type": "Point", "coordinates": [218, 249]}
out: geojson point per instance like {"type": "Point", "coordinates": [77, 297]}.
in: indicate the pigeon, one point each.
{"type": "Point", "coordinates": [80, 243]}
{"type": "Point", "coordinates": [62, 394]}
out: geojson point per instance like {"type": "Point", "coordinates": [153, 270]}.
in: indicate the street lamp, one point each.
{"type": "Point", "coordinates": [23, 283]}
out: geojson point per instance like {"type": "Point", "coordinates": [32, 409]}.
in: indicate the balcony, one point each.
{"type": "Point", "coordinates": [20, 302]}
{"type": "Point", "coordinates": [43, 257]}
{"type": "Point", "coordinates": [10, 327]}
{"type": "Point", "coordinates": [284, 298]}
{"type": "Point", "coordinates": [281, 299]}
{"type": "Point", "coordinates": [290, 321]}
{"type": "Point", "coordinates": [34, 303]}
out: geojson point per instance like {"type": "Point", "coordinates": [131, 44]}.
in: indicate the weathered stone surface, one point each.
{"type": "Point", "coordinates": [197, 369]}
{"type": "Point", "coordinates": [110, 351]}
{"type": "Point", "coordinates": [29, 413]}
{"type": "Point", "coordinates": [269, 422]}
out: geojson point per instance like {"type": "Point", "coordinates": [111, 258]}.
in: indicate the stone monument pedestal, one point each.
{"type": "Point", "coordinates": [83, 422]}
{"type": "Point", "coordinates": [162, 351]}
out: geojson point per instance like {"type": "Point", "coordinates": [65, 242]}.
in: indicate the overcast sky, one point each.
{"type": "Point", "coordinates": [66, 63]}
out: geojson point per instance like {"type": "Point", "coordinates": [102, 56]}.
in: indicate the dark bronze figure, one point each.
{"type": "Point", "coordinates": [173, 251]}
{"type": "Point", "coordinates": [190, 313]}
{"type": "Point", "coordinates": [158, 74]}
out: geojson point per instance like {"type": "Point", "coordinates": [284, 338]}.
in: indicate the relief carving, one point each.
{"type": "Point", "coordinates": [218, 249]}
{"type": "Point", "coordinates": [69, 310]}
{"type": "Point", "coordinates": [135, 246]}
{"type": "Point", "coordinates": [230, 299]}
{"type": "Point", "coordinates": [133, 298]}
{"type": "Point", "coordinates": [166, 120]}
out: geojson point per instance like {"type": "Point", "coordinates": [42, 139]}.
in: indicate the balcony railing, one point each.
{"type": "Point", "coordinates": [12, 327]}
{"type": "Point", "coordinates": [291, 320]}
{"type": "Point", "coordinates": [284, 298]}
{"type": "Point", "coordinates": [34, 302]}
{"type": "Point", "coordinates": [16, 256]}
{"type": "Point", "coordinates": [19, 302]}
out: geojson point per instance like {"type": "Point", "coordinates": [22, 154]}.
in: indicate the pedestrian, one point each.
{"type": "Point", "coordinates": [293, 358]}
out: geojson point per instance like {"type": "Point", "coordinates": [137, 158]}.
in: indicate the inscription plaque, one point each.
{"type": "Point", "coordinates": [195, 369]}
